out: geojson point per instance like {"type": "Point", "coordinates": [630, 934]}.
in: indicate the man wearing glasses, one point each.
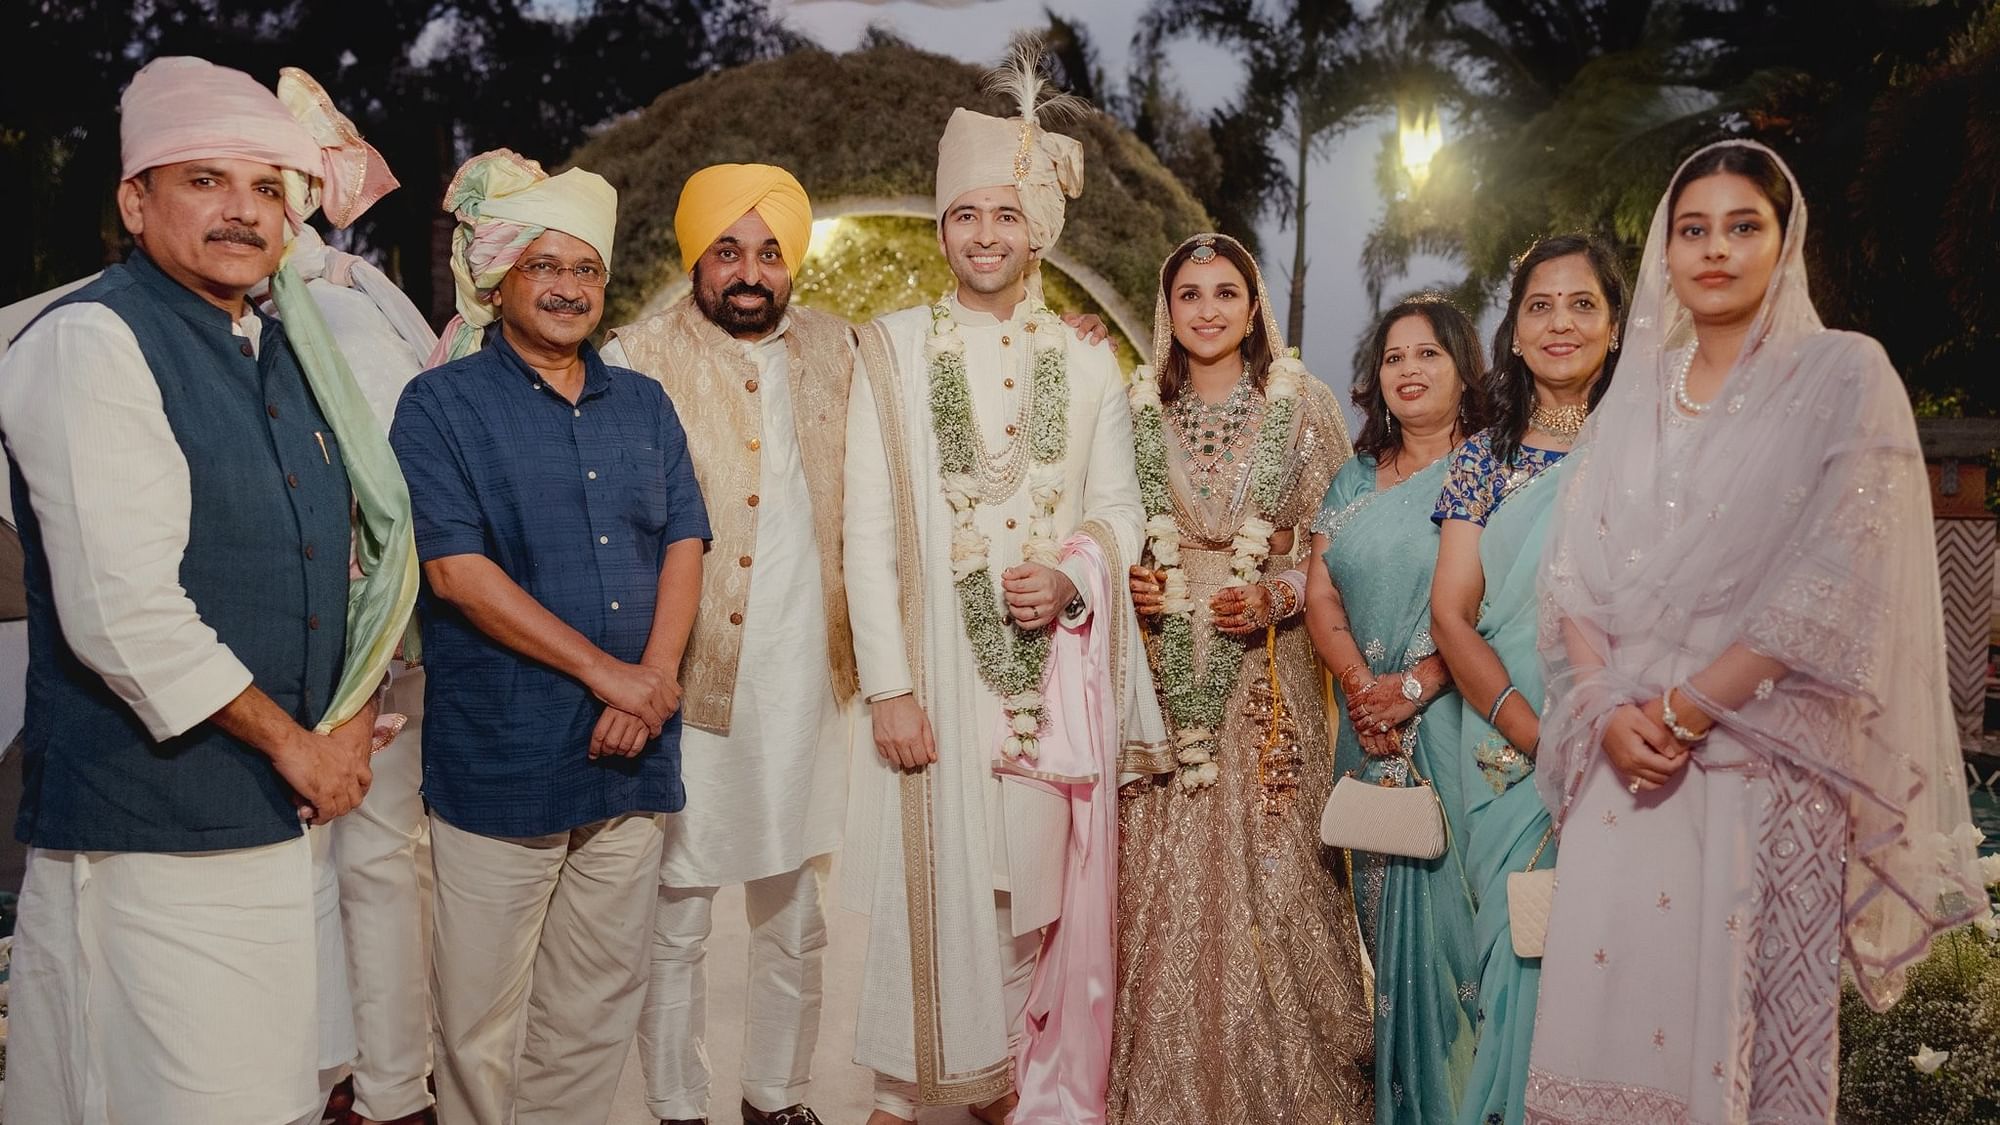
{"type": "Point", "coordinates": [561, 532]}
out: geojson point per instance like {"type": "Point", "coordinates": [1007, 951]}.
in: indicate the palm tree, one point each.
{"type": "Point", "coordinates": [1305, 82]}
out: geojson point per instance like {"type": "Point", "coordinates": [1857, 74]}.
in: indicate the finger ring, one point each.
{"type": "Point", "coordinates": [1382, 728]}
{"type": "Point", "coordinates": [1633, 788]}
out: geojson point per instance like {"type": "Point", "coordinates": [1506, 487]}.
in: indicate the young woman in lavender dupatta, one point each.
{"type": "Point", "coordinates": [1553, 356]}
{"type": "Point", "coordinates": [1749, 746]}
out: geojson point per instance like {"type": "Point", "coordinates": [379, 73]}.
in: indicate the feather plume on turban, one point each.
{"type": "Point", "coordinates": [981, 151]}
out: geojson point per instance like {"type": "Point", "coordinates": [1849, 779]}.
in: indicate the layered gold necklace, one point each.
{"type": "Point", "coordinates": [1564, 421]}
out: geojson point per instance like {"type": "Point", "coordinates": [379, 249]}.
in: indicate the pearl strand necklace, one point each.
{"type": "Point", "coordinates": [1681, 386]}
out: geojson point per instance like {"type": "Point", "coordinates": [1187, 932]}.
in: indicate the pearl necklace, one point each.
{"type": "Point", "coordinates": [1564, 421]}
{"type": "Point", "coordinates": [1680, 385]}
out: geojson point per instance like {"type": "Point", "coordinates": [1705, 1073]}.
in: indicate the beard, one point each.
{"type": "Point", "coordinates": [715, 304]}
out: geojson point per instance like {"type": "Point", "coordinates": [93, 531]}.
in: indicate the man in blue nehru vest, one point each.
{"type": "Point", "coordinates": [561, 532]}
{"type": "Point", "coordinates": [184, 509]}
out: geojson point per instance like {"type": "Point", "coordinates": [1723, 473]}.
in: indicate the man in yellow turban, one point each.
{"type": "Point", "coordinates": [762, 390]}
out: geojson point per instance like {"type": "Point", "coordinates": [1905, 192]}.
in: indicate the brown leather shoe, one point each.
{"type": "Point", "coordinates": [790, 1115]}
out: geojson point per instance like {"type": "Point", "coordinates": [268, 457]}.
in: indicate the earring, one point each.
{"type": "Point", "coordinates": [1614, 341]}
{"type": "Point", "coordinates": [1517, 347]}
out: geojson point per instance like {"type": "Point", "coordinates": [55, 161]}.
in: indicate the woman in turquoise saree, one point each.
{"type": "Point", "coordinates": [1553, 353]}
{"type": "Point", "coordinates": [1368, 612]}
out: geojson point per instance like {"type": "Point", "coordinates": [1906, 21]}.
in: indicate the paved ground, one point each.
{"type": "Point", "coordinates": [840, 1089]}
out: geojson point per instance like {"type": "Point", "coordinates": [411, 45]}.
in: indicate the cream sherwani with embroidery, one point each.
{"type": "Point", "coordinates": [928, 849]}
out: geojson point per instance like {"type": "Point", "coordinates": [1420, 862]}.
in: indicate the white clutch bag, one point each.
{"type": "Point", "coordinates": [1529, 894]}
{"type": "Point", "coordinates": [1402, 820]}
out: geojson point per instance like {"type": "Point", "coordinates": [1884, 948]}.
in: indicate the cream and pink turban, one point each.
{"type": "Point", "coordinates": [504, 202]}
{"type": "Point", "coordinates": [181, 108]}
{"type": "Point", "coordinates": [717, 196]}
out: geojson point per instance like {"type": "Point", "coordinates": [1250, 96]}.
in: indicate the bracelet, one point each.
{"type": "Point", "coordinates": [1340, 677]}
{"type": "Point", "coordinates": [1283, 600]}
{"type": "Point", "coordinates": [1674, 726]}
{"type": "Point", "coordinates": [1493, 713]}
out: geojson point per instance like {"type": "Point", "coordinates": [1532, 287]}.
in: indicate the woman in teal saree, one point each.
{"type": "Point", "coordinates": [1368, 611]}
{"type": "Point", "coordinates": [1553, 355]}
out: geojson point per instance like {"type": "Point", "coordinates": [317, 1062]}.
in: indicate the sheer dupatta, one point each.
{"type": "Point", "coordinates": [1794, 520]}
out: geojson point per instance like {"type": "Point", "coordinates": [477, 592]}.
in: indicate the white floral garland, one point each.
{"type": "Point", "coordinates": [1197, 697]}
{"type": "Point", "coordinates": [1010, 660]}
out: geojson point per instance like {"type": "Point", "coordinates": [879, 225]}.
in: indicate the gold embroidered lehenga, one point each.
{"type": "Point", "coordinates": [1243, 994]}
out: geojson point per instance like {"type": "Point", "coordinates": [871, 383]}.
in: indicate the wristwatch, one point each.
{"type": "Point", "coordinates": [1412, 690]}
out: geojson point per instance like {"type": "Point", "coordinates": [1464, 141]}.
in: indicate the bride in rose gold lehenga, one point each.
{"type": "Point", "coordinates": [1243, 993]}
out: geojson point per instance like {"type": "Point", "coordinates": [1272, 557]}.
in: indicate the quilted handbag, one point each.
{"type": "Point", "coordinates": [1529, 894]}
{"type": "Point", "coordinates": [1385, 818]}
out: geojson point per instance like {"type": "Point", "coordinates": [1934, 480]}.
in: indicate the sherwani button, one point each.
{"type": "Point", "coordinates": [292, 479]}
{"type": "Point", "coordinates": [1010, 525]}
{"type": "Point", "coordinates": [246, 349]}
{"type": "Point", "coordinates": [750, 385]}
{"type": "Point", "coordinates": [755, 445]}
{"type": "Point", "coordinates": [744, 561]}
{"type": "Point", "coordinates": [313, 621]}
{"type": "Point", "coordinates": [752, 501]}
{"type": "Point", "coordinates": [271, 408]}
{"type": "Point", "coordinates": [736, 619]}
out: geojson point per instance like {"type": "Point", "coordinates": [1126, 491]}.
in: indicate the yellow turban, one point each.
{"type": "Point", "coordinates": [718, 195]}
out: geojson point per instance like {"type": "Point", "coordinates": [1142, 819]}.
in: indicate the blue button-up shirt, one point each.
{"type": "Point", "coordinates": [578, 503]}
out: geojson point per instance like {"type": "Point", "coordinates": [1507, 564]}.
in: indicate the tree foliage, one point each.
{"type": "Point", "coordinates": [1572, 114]}
{"type": "Point", "coordinates": [429, 82]}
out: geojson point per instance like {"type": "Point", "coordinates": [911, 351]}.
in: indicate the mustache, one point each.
{"type": "Point", "coordinates": [240, 235]}
{"type": "Point", "coordinates": [554, 303]}
{"type": "Point", "coordinates": [738, 288]}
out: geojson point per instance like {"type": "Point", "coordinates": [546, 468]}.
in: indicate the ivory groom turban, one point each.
{"type": "Point", "coordinates": [980, 151]}
{"type": "Point", "coordinates": [720, 194]}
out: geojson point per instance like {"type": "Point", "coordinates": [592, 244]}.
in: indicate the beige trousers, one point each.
{"type": "Point", "coordinates": [375, 853]}
{"type": "Point", "coordinates": [1017, 967]}
{"type": "Point", "coordinates": [171, 988]}
{"type": "Point", "coordinates": [780, 1027]}
{"type": "Point", "coordinates": [538, 968]}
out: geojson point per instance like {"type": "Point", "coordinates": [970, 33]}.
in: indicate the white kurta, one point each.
{"type": "Point", "coordinates": [770, 794]}
{"type": "Point", "coordinates": [981, 835]}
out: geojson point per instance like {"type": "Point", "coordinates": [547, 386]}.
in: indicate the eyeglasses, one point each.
{"type": "Point", "coordinates": [545, 272]}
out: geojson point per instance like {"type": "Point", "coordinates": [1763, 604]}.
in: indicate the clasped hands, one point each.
{"type": "Point", "coordinates": [1377, 709]}
{"type": "Point", "coordinates": [1236, 610]}
{"type": "Point", "coordinates": [638, 700]}
{"type": "Point", "coordinates": [1035, 594]}
{"type": "Point", "coordinates": [1640, 746]}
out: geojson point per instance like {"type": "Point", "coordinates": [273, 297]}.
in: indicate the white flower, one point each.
{"type": "Point", "coordinates": [1282, 379]}
{"type": "Point", "coordinates": [1989, 869]}
{"type": "Point", "coordinates": [1207, 773]}
{"type": "Point", "coordinates": [959, 490]}
{"type": "Point", "coordinates": [1031, 748]}
{"type": "Point", "coordinates": [968, 551]}
{"type": "Point", "coordinates": [1023, 701]}
{"type": "Point", "coordinates": [1174, 595]}
{"type": "Point", "coordinates": [1254, 535]}
{"type": "Point", "coordinates": [1025, 722]}
{"type": "Point", "coordinates": [1010, 748]}
{"type": "Point", "coordinates": [1989, 924]}
{"type": "Point", "coordinates": [943, 343]}
{"type": "Point", "coordinates": [1927, 1061]}
{"type": "Point", "coordinates": [1145, 389]}
{"type": "Point", "coordinates": [1967, 835]}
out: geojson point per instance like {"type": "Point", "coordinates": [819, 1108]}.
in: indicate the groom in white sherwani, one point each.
{"type": "Point", "coordinates": [981, 436]}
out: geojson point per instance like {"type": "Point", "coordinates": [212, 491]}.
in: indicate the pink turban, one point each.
{"type": "Point", "coordinates": [181, 108]}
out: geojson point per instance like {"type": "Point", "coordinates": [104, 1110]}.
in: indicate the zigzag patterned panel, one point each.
{"type": "Point", "coordinates": [1965, 570]}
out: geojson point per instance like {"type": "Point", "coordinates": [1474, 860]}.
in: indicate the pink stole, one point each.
{"type": "Point", "coordinates": [1062, 1067]}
